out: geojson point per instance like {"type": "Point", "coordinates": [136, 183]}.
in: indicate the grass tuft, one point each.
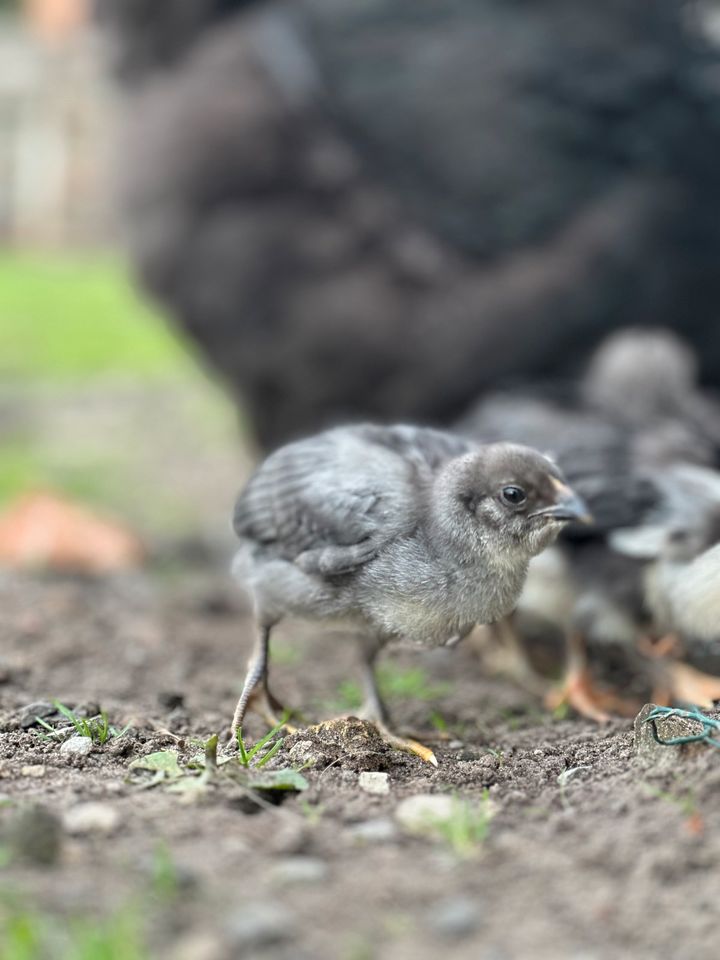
{"type": "Point", "coordinates": [98, 728]}
{"type": "Point", "coordinates": [253, 757]}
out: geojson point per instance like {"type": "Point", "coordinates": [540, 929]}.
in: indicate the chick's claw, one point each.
{"type": "Point", "coordinates": [406, 745]}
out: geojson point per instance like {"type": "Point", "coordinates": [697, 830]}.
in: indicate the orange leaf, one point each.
{"type": "Point", "coordinates": [44, 530]}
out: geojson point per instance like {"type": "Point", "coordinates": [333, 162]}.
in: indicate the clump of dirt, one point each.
{"type": "Point", "coordinates": [347, 742]}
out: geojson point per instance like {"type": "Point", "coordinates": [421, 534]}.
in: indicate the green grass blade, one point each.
{"type": "Point", "coordinates": [116, 734]}
{"type": "Point", "coordinates": [267, 738]}
{"type": "Point", "coordinates": [271, 752]}
{"type": "Point", "coordinates": [244, 758]}
{"type": "Point", "coordinates": [81, 726]}
{"type": "Point", "coordinates": [211, 748]}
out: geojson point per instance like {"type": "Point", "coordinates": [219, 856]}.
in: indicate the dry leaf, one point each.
{"type": "Point", "coordinates": [45, 530]}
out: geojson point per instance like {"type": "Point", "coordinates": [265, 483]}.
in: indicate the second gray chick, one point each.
{"type": "Point", "coordinates": [400, 532]}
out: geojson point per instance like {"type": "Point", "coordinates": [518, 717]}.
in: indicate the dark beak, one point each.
{"type": "Point", "coordinates": [569, 506]}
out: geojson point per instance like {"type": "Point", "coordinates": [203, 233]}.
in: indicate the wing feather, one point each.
{"type": "Point", "coordinates": [330, 502]}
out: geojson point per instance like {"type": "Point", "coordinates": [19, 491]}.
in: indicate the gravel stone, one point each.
{"type": "Point", "coordinates": [77, 747]}
{"type": "Point", "coordinates": [30, 713]}
{"type": "Point", "coordinates": [257, 925]}
{"type": "Point", "coordinates": [455, 918]}
{"type": "Point", "coordinates": [374, 782]}
{"type": "Point", "coordinates": [661, 755]}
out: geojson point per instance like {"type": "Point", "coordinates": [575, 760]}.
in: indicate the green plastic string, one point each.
{"type": "Point", "coordinates": [709, 726]}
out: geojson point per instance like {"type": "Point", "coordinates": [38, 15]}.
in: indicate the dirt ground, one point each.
{"type": "Point", "coordinates": [590, 851]}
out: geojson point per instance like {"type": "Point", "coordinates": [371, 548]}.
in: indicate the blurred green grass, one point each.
{"type": "Point", "coordinates": [100, 396]}
{"type": "Point", "coordinates": [68, 318]}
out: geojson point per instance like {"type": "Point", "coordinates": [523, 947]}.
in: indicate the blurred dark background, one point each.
{"type": "Point", "coordinates": [228, 223]}
{"type": "Point", "coordinates": [381, 209]}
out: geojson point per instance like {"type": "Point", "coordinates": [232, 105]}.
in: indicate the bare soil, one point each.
{"type": "Point", "coordinates": [618, 858]}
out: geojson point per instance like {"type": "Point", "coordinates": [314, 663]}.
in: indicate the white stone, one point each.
{"type": "Point", "coordinates": [374, 782]}
{"type": "Point", "coordinates": [77, 747]}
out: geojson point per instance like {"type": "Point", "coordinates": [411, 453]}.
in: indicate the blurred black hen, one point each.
{"type": "Point", "coordinates": [380, 209]}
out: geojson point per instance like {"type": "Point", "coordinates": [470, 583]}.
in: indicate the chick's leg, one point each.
{"type": "Point", "coordinates": [578, 689]}
{"type": "Point", "coordinates": [374, 709]}
{"type": "Point", "coordinates": [509, 658]}
{"type": "Point", "coordinates": [256, 688]}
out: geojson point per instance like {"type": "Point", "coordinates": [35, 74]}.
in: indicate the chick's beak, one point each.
{"type": "Point", "coordinates": [568, 506]}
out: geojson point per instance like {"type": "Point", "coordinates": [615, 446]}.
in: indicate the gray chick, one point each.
{"type": "Point", "coordinates": [399, 532]}
{"type": "Point", "coordinates": [647, 381]}
{"type": "Point", "coordinates": [682, 590]}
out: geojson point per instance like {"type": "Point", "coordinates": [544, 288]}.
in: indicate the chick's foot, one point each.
{"type": "Point", "coordinates": [405, 744]}
{"type": "Point", "coordinates": [579, 691]}
{"type": "Point", "coordinates": [689, 685]}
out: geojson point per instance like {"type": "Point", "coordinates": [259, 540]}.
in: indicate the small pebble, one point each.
{"type": "Point", "coordinates": [35, 770]}
{"type": "Point", "coordinates": [30, 713]}
{"type": "Point", "coordinates": [77, 747]}
{"type": "Point", "coordinates": [373, 782]}
{"type": "Point", "coordinates": [299, 870]}
{"type": "Point", "coordinates": [455, 918]}
{"type": "Point", "coordinates": [665, 756]}
{"type": "Point", "coordinates": [416, 814]}
{"type": "Point", "coordinates": [91, 818]}
{"type": "Point", "coordinates": [258, 924]}
{"type": "Point", "coordinates": [380, 830]}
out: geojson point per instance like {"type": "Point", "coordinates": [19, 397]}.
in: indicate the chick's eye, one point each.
{"type": "Point", "coordinates": [514, 495]}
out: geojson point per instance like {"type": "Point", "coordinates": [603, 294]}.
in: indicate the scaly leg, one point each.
{"type": "Point", "coordinates": [375, 710]}
{"type": "Point", "coordinates": [512, 660]}
{"type": "Point", "coordinates": [256, 686]}
{"type": "Point", "coordinates": [578, 690]}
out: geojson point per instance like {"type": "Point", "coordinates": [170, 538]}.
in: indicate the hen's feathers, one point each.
{"type": "Point", "coordinates": [331, 502]}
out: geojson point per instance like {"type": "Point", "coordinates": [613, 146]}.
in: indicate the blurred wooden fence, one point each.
{"type": "Point", "coordinates": [54, 134]}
